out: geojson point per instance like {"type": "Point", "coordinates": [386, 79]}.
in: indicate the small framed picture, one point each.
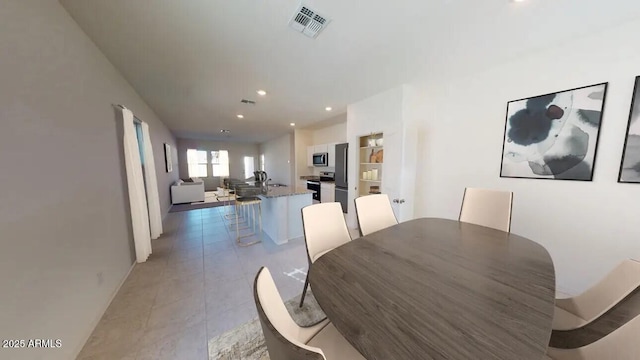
{"type": "Point", "coordinates": [167, 157]}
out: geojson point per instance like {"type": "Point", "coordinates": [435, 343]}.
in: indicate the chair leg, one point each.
{"type": "Point", "coordinates": [304, 291]}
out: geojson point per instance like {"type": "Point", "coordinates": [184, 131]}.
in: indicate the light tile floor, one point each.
{"type": "Point", "coordinates": [196, 285]}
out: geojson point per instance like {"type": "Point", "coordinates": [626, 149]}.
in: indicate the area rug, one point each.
{"type": "Point", "coordinates": [210, 200]}
{"type": "Point", "coordinates": [246, 341]}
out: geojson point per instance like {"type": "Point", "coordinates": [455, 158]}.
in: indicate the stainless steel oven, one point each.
{"type": "Point", "coordinates": [315, 187]}
{"type": "Point", "coordinates": [321, 159]}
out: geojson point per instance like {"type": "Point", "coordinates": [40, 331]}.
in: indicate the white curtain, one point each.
{"type": "Point", "coordinates": [137, 196]}
{"type": "Point", "coordinates": [155, 216]}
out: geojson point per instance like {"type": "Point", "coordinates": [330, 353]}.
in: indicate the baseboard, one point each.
{"type": "Point", "coordinates": [97, 320]}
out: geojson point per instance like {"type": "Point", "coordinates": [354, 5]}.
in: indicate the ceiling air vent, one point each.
{"type": "Point", "coordinates": [308, 21]}
{"type": "Point", "coordinates": [250, 102]}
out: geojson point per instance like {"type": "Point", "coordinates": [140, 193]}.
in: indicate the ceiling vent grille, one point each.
{"type": "Point", "coordinates": [250, 102]}
{"type": "Point", "coordinates": [308, 22]}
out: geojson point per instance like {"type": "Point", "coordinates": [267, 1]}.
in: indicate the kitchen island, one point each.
{"type": "Point", "coordinates": [281, 212]}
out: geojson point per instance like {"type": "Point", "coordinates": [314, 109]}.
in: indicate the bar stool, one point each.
{"type": "Point", "coordinates": [247, 206]}
{"type": "Point", "coordinates": [239, 217]}
{"type": "Point", "coordinates": [227, 196]}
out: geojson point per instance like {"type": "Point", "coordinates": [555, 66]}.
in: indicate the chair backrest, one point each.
{"type": "Point", "coordinates": [621, 344]}
{"type": "Point", "coordinates": [374, 213]}
{"type": "Point", "coordinates": [606, 293]}
{"type": "Point", "coordinates": [281, 333]}
{"type": "Point", "coordinates": [324, 228]}
{"type": "Point", "coordinates": [490, 208]}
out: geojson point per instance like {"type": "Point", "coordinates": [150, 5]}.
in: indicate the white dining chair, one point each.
{"type": "Point", "coordinates": [374, 213]}
{"type": "Point", "coordinates": [324, 230]}
{"type": "Point", "coordinates": [485, 207]}
{"type": "Point", "coordinates": [285, 339]}
{"type": "Point", "coordinates": [621, 344]}
{"type": "Point", "coordinates": [578, 311]}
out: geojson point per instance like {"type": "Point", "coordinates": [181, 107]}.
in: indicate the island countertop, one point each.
{"type": "Point", "coordinates": [284, 191]}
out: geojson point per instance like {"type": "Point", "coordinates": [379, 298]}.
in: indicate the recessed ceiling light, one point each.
{"type": "Point", "coordinates": [261, 92]}
{"type": "Point", "coordinates": [517, 0]}
{"type": "Point", "coordinates": [240, 116]}
{"type": "Point", "coordinates": [225, 131]}
{"type": "Point", "coordinates": [328, 108]}
{"type": "Point", "coordinates": [292, 124]}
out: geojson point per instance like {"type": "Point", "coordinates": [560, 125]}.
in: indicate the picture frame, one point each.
{"type": "Point", "coordinates": [167, 158]}
{"type": "Point", "coordinates": [553, 136]}
{"type": "Point", "coordinates": [630, 160]}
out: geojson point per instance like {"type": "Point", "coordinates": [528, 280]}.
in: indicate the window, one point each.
{"type": "Point", "coordinates": [262, 162]}
{"type": "Point", "coordinates": [249, 166]}
{"type": "Point", "coordinates": [197, 162]}
{"type": "Point", "coordinates": [220, 163]}
{"type": "Point", "coordinates": [138, 128]}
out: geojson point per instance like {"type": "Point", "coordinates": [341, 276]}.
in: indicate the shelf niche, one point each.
{"type": "Point", "coordinates": [370, 163]}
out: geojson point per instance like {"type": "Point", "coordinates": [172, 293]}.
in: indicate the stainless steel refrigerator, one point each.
{"type": "Point", "coordinates": [342, 183]}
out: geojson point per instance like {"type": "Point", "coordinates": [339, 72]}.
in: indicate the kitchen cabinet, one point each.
{"type": "Point", "coordinates": [327, 192]}
{"type": "Point", "coordinates": [331, 151]}
{"type": "Point", "coordinates": [310, 151]}
{"type": "Point", "coordinates": [322, 148]}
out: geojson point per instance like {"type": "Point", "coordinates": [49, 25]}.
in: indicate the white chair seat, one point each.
{"type": "Point", "coordinates": [305, 334]}
{"type": "Point", "coordinates": [581, 310]}
{"type": "Point", "coordinates": [621, 344]}
{"type": "Point", "coordinates": [564, 320]}
{"type": "Point", "coordinates": [334, 345]}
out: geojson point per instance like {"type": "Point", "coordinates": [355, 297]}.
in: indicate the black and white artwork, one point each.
{"type": "Point", "coordinates": [630, 164]}
{"type": "Point", "coordinates": [553, 136]}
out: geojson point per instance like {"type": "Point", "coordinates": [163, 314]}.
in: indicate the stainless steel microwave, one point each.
{"type": "Point", "coordinates": [321, 159]}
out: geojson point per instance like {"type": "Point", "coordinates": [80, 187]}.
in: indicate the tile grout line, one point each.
{"type": "Point", "coordinates": [155, 298]}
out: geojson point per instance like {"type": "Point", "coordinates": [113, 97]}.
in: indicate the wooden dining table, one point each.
{"type": "Point", "coordinates": [439, 289]}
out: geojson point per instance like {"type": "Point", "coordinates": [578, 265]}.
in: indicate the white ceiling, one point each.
{"type": "Point", "coordinates": [194, 60]}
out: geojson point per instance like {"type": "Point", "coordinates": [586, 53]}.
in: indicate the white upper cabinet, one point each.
{"type": "Point", "coordinates": [320, 148]}
{"type": "Point", "coordinates": [310, 152]}
{"type": "Point", "coordinates": [331, 151]}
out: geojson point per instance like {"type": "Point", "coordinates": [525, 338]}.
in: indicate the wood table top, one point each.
{"type": "Point", "coordinates": [439, 289]}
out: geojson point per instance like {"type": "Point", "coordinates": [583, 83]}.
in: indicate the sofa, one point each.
{"type": "Point", "coordinates": [187, 191]}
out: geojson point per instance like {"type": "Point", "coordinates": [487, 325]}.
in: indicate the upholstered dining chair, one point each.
{"type": "Point", "coordinates": [324, 230]}
{"type": "Point", "coordinates": [621, 344]}
{"type": "Point", "coordinates": [285, 339]}
{"type": "Point", "coordinates": [374, 213]}
{"type": "Point", "coordinates": [485, 207]}
{"type": "Point", "coordinates": [578, 311]}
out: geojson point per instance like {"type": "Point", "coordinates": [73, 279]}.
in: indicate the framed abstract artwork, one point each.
{"type": "Point", "coordinates": [630, 163]}
{"type": "Point", "coordinates": [553, 136]}
{"type": "Point", "coordinates": [167, 157]}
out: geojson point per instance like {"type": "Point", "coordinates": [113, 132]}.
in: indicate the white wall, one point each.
{"type": "Point", "coordinates": [302, 139]}
{"type": "Point", "coordinates": [65, 233]}
{"type": "Point", "coordinates": [587, 227]}
{"type": "Point", "coordinates": [331, 134]}
{"type": "Point", "coordinates": [372, 115]}
{"type": "Point", "coordinates": [278, 159]}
